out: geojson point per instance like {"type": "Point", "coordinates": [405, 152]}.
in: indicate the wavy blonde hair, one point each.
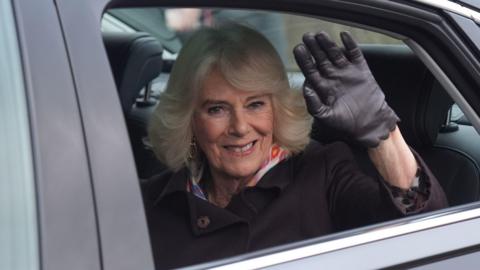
{"type": "Point", "coordinates": [248, 61]}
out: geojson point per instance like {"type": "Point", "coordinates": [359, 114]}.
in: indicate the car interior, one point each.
{"type": "Point", "coordinates": [136, 60]}
{"type": "Point", "coordinates": [430, 121]}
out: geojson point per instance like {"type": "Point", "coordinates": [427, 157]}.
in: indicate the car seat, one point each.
{"type": "Point", "coordinates": [136, 60]}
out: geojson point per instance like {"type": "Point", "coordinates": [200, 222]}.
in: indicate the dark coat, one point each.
{"type": "Point", "coordinates": [314, 193]}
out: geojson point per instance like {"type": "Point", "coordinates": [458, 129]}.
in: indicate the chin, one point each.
{"type": "Point", "coordinates": [242, 171]}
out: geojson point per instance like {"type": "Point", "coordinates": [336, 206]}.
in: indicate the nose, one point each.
{"type": "Point", "coordinates": [239, 125]}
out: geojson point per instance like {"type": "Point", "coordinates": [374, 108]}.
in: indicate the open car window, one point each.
{"type": "Point", "coordinates": [173, 26]}
{"type": "Point", "coordinates": [427, 123]}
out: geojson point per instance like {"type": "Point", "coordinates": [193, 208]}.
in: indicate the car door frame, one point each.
{"type": "Point", "coordinates": [122, 231]}
{"type": "Point", "coordinates": [121, 222]}
{"type": "Point", "coordinates": [67, 227]}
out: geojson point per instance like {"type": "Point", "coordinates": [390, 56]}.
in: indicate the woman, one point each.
{"type": "Point", "coordinates": [244, 173]}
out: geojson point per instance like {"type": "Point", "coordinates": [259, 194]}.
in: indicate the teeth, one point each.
{"type": "Point", "coordinates": [247, 147]}
{"type": "Point", "coordinates": [238, 149]}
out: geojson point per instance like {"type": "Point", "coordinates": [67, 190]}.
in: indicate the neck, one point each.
{"type": "Point", "coordinates": [223, 188]}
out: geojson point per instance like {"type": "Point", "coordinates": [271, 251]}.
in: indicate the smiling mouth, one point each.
{"type": "Point", "coordinates": [241, 149]}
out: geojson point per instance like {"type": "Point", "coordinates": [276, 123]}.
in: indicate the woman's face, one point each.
{"type": "Point", "coordinates": [233, 128]}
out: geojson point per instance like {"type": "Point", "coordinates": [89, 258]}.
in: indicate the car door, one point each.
{"type": "Point", "coordinates": [437, 240]}
{"type": "Point", "coordinates": [62, 200]}
{"type": "Point", "coordinates": [122, 232]}
{"type": "Point", "coordinates": [88, 159]}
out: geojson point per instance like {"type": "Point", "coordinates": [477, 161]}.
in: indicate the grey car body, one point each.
{"type": "Point", "coordinates": [88, 211]}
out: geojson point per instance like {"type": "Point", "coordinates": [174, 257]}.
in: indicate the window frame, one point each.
{"type": "Point", "coordinates": [76, 18]}
{"type": "Point", "coordinates": [67, 232]}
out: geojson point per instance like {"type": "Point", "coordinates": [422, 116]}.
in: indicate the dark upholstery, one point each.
{"type": "Point", "coordinates": [459, 175]}
{"type": "Point", "coordinates": [147, 163]}
{"type": "Point", "coordinates": [411, 91]}
{"type": "Point", "coordinates": [422, 105]}
{"type": "Point", "coordinates": [460, 182]}
{"type": "Point", "coordinates": [135, 59]}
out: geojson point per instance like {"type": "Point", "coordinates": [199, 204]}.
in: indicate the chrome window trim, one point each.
{"type": "Point", "coordinates": [438, 220]}
{"type": "Point", "coordinates": [453, 7]}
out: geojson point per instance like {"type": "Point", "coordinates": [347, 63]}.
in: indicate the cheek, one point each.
{"type": "Point", "coordinates": [264, 123]}
{"type": "Point", "coordinates": [208, 131]}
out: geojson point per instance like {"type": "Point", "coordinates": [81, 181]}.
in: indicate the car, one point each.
{"type": "Point", "coordinates": [73, 143]}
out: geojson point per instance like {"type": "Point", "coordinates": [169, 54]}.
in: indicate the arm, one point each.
{"type": "Point", "coordinates": [341, 93]}
{"type": "Point", "coordinates": [394, 160]}
{"type": "Point", "coordinates": [419, 189]}
{"type": "Point", "coordinates": [356, 199]}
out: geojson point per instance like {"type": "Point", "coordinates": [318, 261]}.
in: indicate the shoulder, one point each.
{"type": "Point", "coordinates": [164, 184]}
{"type": "Point", "coordinates": [154, 186]}
{"type": "Point", "coordinates": [318, 157]}
{"type": "Point", "coordinates": [335, 150]}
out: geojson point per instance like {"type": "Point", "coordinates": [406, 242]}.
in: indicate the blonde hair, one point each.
{"type": "Point", "coordinates": [248, 61]}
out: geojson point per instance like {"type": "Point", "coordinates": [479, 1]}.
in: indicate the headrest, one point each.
{"type": "Point", "coordinates": [410, 89]}
{"type": "Point", "coordinates": [135, 59]}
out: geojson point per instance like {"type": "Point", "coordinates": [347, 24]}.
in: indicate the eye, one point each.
{"type": "Point", "coordinates": [215, 110]}
{"type": "Point", "coordinates": [256, 105]}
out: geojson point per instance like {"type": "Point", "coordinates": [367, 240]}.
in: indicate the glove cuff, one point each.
{"type": "Point", "coordinates": [380, 129]}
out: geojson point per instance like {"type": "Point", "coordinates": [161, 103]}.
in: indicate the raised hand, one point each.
{"type": "Point", "coordinates": [340, 90]}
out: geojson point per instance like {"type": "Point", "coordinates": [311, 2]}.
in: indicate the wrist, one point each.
{"type": "Point", "coordinates": [394, 160]}
{"type": "Point", "coordinates": [378, 126]}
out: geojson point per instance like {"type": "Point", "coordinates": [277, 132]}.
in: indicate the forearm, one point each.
{"type": "Point", "coordinates": [394, 160]}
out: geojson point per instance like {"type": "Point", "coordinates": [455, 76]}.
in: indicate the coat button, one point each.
{"type": "Point", "coordinates": [203, 222]}
{"type": "Point", "coordinates": [406, 202]}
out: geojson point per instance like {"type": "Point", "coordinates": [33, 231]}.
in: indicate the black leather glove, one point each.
{"type": "Point", "coordinates": [340, 90]}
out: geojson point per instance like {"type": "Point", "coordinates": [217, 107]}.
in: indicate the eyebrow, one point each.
{"type": "Point", "coordinates": [215, 101]}
{"type": "Point", "coordinates": [257, 96]}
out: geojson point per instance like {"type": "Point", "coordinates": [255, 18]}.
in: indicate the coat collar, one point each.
{"type": "Point", "coordinates": [279, 176]}
{"type": "Point", "coordinates": [177, 182]}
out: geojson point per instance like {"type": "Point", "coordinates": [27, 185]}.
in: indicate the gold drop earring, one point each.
{"type": "Point", "coordinates": [193, 149]}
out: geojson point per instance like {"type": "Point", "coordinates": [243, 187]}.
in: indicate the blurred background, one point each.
{"type": "Point", "coordinates": [174, 26]}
